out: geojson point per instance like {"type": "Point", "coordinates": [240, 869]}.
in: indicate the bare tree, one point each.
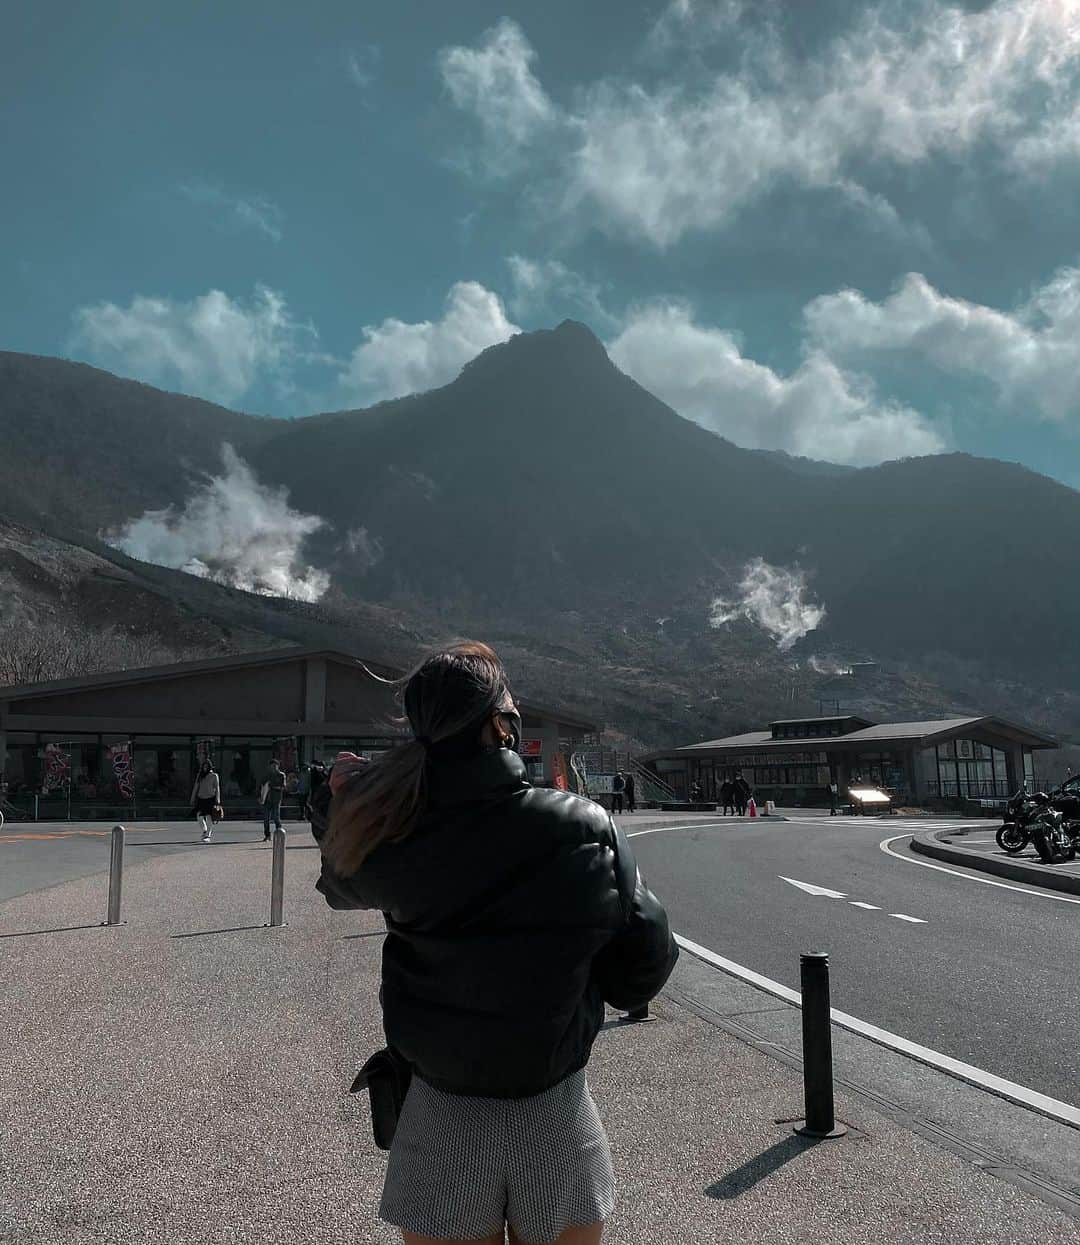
{"type": "Point", "coordinates": [33, 652]}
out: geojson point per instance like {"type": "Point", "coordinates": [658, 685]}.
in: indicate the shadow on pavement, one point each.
{"type": "Point", "coordinates": [375, 933]}
{"type": "Point", "coordinates": [754, 1170]}
{"type": "Point", "coordinates": [63, 929]}
{"type": "Point", "coordinates": [232, 929]}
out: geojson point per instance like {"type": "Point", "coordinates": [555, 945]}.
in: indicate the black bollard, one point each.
{"type": "Point", "coordinates": [820, 1119]}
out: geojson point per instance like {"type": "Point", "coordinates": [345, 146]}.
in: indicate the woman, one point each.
{"type": "Point", "coordinates": [513, 913]}
{"type": "Point", "coordinates": [205, 797]}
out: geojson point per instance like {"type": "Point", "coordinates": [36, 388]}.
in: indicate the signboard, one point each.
{"type": "Point", "coordinates": [57, 768]}
{"type": "Point", "coordinates": [559, 768]}
{"type": "Point", "coordinates": [600, 784]}
{"type": "Point", "coordinates": [120, 756]}
{"type": "Point", "coordinates": [532, 749]}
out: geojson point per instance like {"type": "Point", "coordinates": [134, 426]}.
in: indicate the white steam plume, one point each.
{"type": "Point", "coordinates": [234, 531]}
{"type": "Point", "coordinates": [774, 598]}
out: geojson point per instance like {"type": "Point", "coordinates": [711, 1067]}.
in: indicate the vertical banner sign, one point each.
{"type": "Point", "coordinates": [559, 772]}
{"type": "Point", "coordinates": [57, 768]}
{"type": "Point", "coordinates": [120, 757]}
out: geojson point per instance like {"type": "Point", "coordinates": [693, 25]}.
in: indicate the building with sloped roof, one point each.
{"type": "Point", "coordinates": [132, 739]}
{"type": "Point", "coordinates": [793, 761]}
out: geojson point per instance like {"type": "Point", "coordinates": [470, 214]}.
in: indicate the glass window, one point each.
{"type": "Point", "coordinates": [945, 751]}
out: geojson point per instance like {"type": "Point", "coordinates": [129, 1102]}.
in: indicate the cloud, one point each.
{"type": "Point", "coordinates": [1031, 354]}
{"type": "Point", "coordinates": [540, 283]}
{"type": "Point", "coordinates": [251, 212]}
{"type": "Point", "coordinates": [819, 411]}
{"type": "Point", "coordinates": [364, 550]}
{"type": "Point", "coordinates": [362, 64]}
{"type": "Point", "coordinates": [213, 346]}
{"type": "Point", "coordinates": [655, 163]}
{"type": "Point", "coordinates": [234, 531]}
{"type": "Point", "coordinates": [495, 83]}
{"type": "Point", "coordinates": [773, 597]}
{"type": "Point", "coordinates": [397, 358]}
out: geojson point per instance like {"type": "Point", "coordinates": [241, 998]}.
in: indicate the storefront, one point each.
{"type": "Point", "coordinates": [130, 743]}
{"type": "Point", "coordinates": [793, 762]}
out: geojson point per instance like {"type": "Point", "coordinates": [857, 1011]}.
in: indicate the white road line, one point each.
{"type": "Point", "coordinates": [926, 864]}
{"type": "Point", "coordinates": [978, 1077]}
{"type": "Point", "coordinates": [915, 920]}
{"type": "Point", "coordinates": [872, 907]}
{"type": "Point", "coordinates": [811, 889]}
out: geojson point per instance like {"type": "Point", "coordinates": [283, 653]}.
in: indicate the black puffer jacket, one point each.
{"type": "Point", "coordinates": [513, 914]}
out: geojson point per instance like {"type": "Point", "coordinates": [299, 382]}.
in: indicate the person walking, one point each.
{"type": "Point", "coordinates": [206, 797]}
{"type": "Point", "coordinates": [618, 788]}
{"type": "Point", "coordinates": [273, 789]}
{"type": "Point", "coordinates": [742, 794]}
{"type": "Point", "coordinates": [727, 796]}
{"type": "Point", "coordinates": [834, 798]}
{"type": "Point", "coordinates": [514, 913]}
{"type": "Point", "coordinates": [316, 778]}
{"type": "Point", "coordinates": [630, 792]}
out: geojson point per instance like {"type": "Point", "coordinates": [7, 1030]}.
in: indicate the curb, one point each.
{"type": "Point", "coordinates": [928, 844]}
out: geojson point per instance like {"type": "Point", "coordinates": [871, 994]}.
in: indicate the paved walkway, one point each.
{"type": "Point", "coordinates": [181, 1078]}
{"type": "Point", "coordinates": [976, 848]}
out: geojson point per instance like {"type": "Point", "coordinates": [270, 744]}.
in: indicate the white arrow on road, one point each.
{"type": "Point", "coordinates": [811, 889]}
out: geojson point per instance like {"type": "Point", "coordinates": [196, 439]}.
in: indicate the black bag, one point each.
{"type": "Point", "coordinates": [386, 1075]}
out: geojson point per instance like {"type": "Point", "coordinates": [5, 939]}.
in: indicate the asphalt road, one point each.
{"type": "Point", "coordinates": [36, 855]}
{"type": "Point", "coordinates": [986, 974]}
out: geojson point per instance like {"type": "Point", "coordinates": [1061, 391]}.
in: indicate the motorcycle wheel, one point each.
{"type": "Point", "coordinates": [1047, 849]}
{"type": "Point", "coordinates": [1011, 839]}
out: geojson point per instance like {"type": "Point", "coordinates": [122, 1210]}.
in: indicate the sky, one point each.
{"type": "Point", "coordinates": [850, 231]}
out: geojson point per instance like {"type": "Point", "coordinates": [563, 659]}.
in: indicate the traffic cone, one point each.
{"type": "Point", "coordinates": [751, 807]}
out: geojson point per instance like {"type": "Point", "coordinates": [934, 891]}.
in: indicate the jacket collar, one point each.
{"type": "Point", "coordinates": [490, 774]}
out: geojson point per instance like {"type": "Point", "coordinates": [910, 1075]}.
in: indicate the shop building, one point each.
{"type": "Point", "coordinates": [130, 742]}
{"type": "Point", "coordinates": [793, 761]}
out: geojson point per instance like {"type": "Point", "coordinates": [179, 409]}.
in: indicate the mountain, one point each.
{"type": "Point", "coordinates": [545, 500]}
{"type": "Point", "coordinates": [84, 450]}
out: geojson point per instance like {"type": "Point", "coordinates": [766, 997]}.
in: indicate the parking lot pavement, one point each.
{"type": "Point", "coordinates": [182, 1078]}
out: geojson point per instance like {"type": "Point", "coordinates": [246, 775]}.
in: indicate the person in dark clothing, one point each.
{"type": "Point", "coordinates": [727, 796]}
{"type": "Point", "coordinates": [316, 778]}
{"type": "Point", "coordinates": [631, 805]}
{"type": "Point", "coordinates": [742, 794]}
{"type": "Point", "coordinates": [834, 798]}
{"type": "Point", "coordinates": [618, 789]}
{"type": "Point", "coordinates": [513, 914]}
{"type": "Point", "coordinates": [273, 789]}
{"type": "Point", "coordinates": [695, 793]}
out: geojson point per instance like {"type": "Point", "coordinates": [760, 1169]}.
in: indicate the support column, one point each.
{"type": "Point", "coordinates": [549, 737]}
{"type": "Point", "coordinates": [1014, 766]}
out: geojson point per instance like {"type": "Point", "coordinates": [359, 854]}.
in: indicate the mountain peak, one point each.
{"type": "Point", "coordinates": [569, 347]}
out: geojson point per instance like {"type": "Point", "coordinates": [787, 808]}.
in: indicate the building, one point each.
{"type": "Point", "coordinates": [132, 740]}
{"type": "Point", "coordinates": [793, 761]}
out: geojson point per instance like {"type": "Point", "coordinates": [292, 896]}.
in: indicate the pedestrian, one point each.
{"type": "Point", "coordinates": [834, 798]}
{"type": "Point", "coordinates": [695, 793]}
{"type": "Point", "coordinates": [630, 792]}
{"type": "Point", "coordinates": [316, 778]}
{"type": "Point", "coordinates": [618, 788]}
{"type": "Point", "coordinates": [727, 796]}
{"type": "Point", "coordinates": [742, 794]}
{"type": "Point", "coordinates": [206, 797]}
{"type": "Point", "coordinates": [446, 837]}
{"type": "Point", "coordinates": [273, 789]}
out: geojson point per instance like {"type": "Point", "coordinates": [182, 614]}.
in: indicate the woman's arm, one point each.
{"type": "Point", "coordinates": [632, 969]}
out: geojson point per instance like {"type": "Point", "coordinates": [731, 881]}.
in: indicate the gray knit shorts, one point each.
{"type": "Point", "coordinates": [461, 1166]}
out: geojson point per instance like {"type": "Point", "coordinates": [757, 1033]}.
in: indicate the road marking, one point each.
{"type": "Point", "coordinates": [873, 907]}
{"type": "Point", "coordinates": [915, 920]}
{"type": "Point", "coordinates": [811, 889]}
{"type": "Point", "coordinates": [926, 864]}
{"type": "Point", "coordinates": [1020, 1094]}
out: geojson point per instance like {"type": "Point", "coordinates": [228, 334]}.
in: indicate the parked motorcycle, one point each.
{"type": "Point", "coordinates": [1033, 819]}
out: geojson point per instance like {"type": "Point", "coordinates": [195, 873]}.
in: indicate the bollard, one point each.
{"type": "Point", "coordinates": [820, 1121]}
{"type": "Point", "coordinates": [116, 874]}
{"type": "Point", "coordinates": [277, 878]}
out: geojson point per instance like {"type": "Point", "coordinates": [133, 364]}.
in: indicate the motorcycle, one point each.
{"type": "Point", "coordinates": [1034, 819]}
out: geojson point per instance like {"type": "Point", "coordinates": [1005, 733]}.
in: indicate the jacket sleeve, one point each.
{"type": "Point", "coordinates": [632, 969]}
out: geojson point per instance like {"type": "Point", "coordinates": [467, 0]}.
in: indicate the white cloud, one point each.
{"type": "Point", "coordinates": [658, 163]}
{"type": "Point", "coordinates": [213, 346]}
{"type": "Point", "coordinates": [495, 82]}
{"type": "Point", "coordinates": [234, 531]}
{"type": "Point", "coordinates": [363, 63]}
{"type": "Point", "coordinates": [819, 411]}
{"type": "Point", "coordinates": [364, 550]}
{"type": "Point", "coordinates": [397, 358]}
{"type": "Point", "coordinates": [1031, 355]}
{"type": "Point", "coordinates": [251, 211]}
{"type": "Point", "coordinates": [775, 598]}
{"type": "Point", "coordinates": [538, 283]}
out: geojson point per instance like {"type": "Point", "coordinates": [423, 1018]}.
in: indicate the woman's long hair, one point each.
{"type": "Point", "coordinates": [450, 694]}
